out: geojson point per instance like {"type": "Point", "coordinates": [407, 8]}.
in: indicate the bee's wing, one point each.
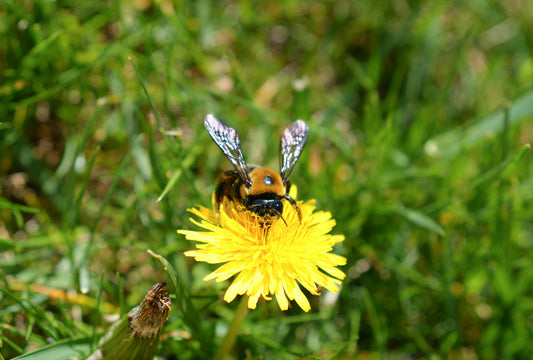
{"type": "Point", "coordinates": [227, 140]}
{"type": "Point", "coordinates": [292, 144]}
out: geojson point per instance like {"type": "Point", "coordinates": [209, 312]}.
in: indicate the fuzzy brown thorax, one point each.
{"type": "Point", "coordinates": [264, 180]}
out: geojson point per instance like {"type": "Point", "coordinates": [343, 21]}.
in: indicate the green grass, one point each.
{"type": "Point", "coordinates": [419, 115]}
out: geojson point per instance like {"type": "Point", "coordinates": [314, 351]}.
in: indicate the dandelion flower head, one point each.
{"type": "Point", "coordinates": [270, 258]}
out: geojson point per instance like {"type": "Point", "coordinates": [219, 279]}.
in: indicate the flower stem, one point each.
{"type": "Point", "coordinates": [231, 335]}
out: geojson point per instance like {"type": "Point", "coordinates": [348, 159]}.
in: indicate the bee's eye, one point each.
{"type": "Point", "coordinates": [267, 180]}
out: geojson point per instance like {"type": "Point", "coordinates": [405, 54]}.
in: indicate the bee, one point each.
{"type": "Point", "coordinates": [259, 190]}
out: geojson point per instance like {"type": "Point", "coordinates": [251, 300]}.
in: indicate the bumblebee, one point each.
{"type": "Point", "coordinates": [259, 190]}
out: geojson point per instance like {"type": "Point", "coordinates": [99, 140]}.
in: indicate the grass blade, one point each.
{"type": "Point", "coordinates": [453, 142]}
{"type": "Point", "coordinates": [420, 219]}
{"type": "Point", "coordinates": [61, 350]}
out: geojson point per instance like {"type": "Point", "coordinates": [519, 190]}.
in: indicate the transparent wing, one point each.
{"type": "Point", "coordinates": [292, 144]}
{"type": "Point", "coordinates": [227, 140]}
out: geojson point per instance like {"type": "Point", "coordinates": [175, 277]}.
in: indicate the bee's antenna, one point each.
{"type": "Point", "coordinates": [281, 216]}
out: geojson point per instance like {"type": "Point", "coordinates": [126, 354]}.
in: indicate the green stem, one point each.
{"type": "Point", "coordinates": [227, 344]}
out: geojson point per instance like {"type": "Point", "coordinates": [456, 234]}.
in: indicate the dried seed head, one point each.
{"type": "Point", "coordinates": [147, 319]}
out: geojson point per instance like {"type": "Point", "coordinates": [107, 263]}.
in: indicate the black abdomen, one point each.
{"type": "Point", "coordinates": [228, 185]}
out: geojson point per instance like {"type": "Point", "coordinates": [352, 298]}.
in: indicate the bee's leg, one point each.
{"type": "Point", "coordinates": [294, 205]}
{"type": "Point", "coordinates": [287, 187]}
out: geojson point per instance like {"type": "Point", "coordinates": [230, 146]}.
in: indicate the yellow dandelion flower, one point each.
{"type": "Point", "coordinates": [272, 259]}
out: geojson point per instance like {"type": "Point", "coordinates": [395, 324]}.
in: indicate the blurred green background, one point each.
{"type": "Point", "coordinates": [420, 115]}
